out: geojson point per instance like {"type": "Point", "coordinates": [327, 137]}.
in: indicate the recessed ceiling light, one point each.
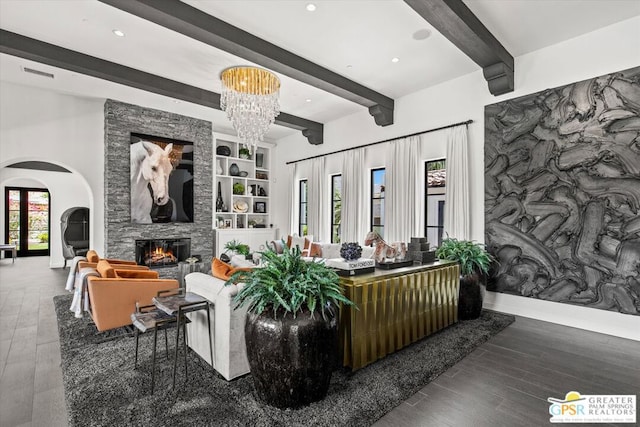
{"type": "Point", "coordinates": [349, 66]}
{"type": "Point", "coordinates": [395, 59]}
{"type": "Point", "coordinates": [311, 7]}
{"type": "Point", "coordinates": [308, 100]}
{"type": "Point", "coordinates": [118, 33]}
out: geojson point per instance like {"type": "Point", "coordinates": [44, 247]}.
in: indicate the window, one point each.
{"type": "Point", "coordinates": [377, 200]}
{"type": "Point", "coordinates": [302, 226]}
{"type": "Point", "coordinates": [27, 219]}
{"type": "Point", "coordinates": [436, 181]}
{"type": "Point", "coordinates": [336, 207]}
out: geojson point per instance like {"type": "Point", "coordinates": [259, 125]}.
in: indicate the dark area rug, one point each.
{"type": "Point", "coordinates": [103, 389]}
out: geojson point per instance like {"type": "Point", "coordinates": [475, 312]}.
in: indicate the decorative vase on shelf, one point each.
{"type": "Point", "coordinates": [219, 167]}
{"type": "Point", "coordinates": [219, 201]}
{"type": "Point", "coordinates": [259, 159]}
{"type": "Point", "coordinates": [234, 170]}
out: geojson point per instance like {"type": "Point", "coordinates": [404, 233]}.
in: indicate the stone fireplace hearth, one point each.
{"type": "Point", "coordinates": [120, 233]}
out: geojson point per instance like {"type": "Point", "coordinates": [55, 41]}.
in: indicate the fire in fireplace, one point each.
{"type": "Point", "coordinates": [156, 253]}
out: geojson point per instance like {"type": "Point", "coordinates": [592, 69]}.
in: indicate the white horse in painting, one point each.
{"type": "Point", "coordinates": [150, 164]}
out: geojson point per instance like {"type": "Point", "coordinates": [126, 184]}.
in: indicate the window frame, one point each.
{"type": "Point", "coordinates": [372, 198]}
{"type": "Point", "coordinates": [440, 203]}
{"type": "Point", "coordinates": [304, 202]}
{"type": "Point", "coordinates": [333, 207]}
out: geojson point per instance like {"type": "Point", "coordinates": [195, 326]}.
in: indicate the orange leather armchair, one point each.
{"type": "Point", "coordinates": [114, 294]}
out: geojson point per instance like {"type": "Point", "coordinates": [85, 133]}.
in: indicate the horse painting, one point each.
{"type": "Point", "coordinates": [150, 165]}
{"type": "Point", "coordinates": [384, 252]}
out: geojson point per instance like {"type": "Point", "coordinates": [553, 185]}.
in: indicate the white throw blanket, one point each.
{"type": "Point", "coordinates": [71, 278]}
{"type": "Point", "coordinates": [81, 295]}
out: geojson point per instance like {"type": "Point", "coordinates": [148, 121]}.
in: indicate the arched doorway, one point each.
{"type": "Point", "coordinates": [67, 188]}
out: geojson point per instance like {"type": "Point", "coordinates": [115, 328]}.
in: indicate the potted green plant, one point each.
{"type": "Point", "coordinates": [291, 329]}
{"type": "Point", "coordinates": [244, 153]}
{"type": "Point", "coordinates": [474, 263]}
{"type": "Point", "coordinates": [237, 247]}
{"type": "Point", "coordinates": [238, 188]}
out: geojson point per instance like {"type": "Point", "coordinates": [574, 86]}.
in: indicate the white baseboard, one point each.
{"type": "Point", "coordinates": [591, 319]}
{"type": "Point", "coordinates": [58, 264]}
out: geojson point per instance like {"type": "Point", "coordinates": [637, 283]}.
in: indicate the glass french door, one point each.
{"type": "Point", "coordinates": [27, 220]}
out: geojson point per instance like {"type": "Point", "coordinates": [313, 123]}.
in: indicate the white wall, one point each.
{"type": "Point", "coordinates": [609, 49]}
{"type": "Point", "coordinates": [66, 190]}
{"type": "Point", "coordinates": [41, 125]}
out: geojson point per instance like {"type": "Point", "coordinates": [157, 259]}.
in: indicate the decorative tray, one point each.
{"type": "Point", "coordinates": [394, 264]}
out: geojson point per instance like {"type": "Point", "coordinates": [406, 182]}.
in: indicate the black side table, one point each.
{"type": "Point", "coordinates": [147, 318]}
{"type": "Point", "coordinates": [178, 303]}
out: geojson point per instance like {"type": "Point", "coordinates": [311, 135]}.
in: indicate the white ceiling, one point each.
{"type": "Point", "coordinates": [354, 38]}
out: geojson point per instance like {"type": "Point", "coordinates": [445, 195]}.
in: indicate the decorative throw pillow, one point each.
{"type": "Point", "coordinates": [315, 250]}
{"type": "Point", "coordinates": [220, 269]}
{"type": "Point", "coordinates": [304, 243]}
{"type": "Point", "coordinates": [106, 270]}
{"type": "Point", "coordinates": [92, 256]}
{"type": "Point", "coordinates": [331, 250]}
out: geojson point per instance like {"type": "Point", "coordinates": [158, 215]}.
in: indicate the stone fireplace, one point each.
{"type": "Point", "coordinates": [120, 233]}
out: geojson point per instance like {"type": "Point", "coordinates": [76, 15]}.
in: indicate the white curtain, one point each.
{"type": "Point", "coordinates": [355, 221]}
{"type": "Point", "coordinates": [456, 211]}
{"type": "Point", "coordinates": [317, 212]}
{"type": "Point", "coordinates": [292, 199]}
{"type": "Point", "coordinates": [403, 207]}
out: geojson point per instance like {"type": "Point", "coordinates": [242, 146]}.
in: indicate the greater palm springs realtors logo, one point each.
{"type": "Point", "coordinates": [576, 408]}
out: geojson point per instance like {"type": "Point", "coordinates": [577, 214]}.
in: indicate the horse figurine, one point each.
{"type": "Point", "coordinates": [383, 250]}
{"type": "Point", "coordinates": [150, 164]}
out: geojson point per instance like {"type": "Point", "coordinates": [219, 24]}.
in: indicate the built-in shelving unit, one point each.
{"type": "Point", "coordinates": [246, 199]}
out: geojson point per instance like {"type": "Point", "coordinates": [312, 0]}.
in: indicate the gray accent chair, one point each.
{"type": "Point", "coordinates": [74, 223]}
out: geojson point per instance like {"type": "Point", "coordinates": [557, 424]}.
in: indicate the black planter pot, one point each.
{"type": "Point", "coordinates": [470, 297]}
{"type": "Point", "coordinates": [291, 359]}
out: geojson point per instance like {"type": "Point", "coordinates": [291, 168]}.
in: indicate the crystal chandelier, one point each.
{"type": "Point", "coordinates": [250, 99]}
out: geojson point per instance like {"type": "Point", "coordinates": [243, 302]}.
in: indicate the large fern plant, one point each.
{"type": "Point", "coordinates": [472, 257]}
{"type": "Point", "coordinates": [288, 284]}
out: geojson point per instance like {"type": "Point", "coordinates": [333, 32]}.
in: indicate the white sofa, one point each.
{"type": "Point", "coordinates": [227, 326]}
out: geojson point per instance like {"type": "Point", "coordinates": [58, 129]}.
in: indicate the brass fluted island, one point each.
{"type": "Point", "coordinates": [396, 308]}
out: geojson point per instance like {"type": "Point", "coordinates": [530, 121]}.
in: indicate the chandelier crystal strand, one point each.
{"type": "Point", "coordinates": [250, 99]}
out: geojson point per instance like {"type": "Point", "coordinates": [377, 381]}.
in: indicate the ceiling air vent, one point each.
{"type": "Point", "coordinates": [37, 72]}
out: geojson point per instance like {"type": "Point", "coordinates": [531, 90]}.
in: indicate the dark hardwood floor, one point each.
{"type": "Point", "coordinates": [505, 382]}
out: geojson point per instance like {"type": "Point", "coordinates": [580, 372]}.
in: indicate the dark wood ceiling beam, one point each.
{"type": "Point", "coordinates": [454, 20]}
{"type": "Point", "coordinates": [56, 56]}
{"type": "Point", "coordinates": [194, 23]}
